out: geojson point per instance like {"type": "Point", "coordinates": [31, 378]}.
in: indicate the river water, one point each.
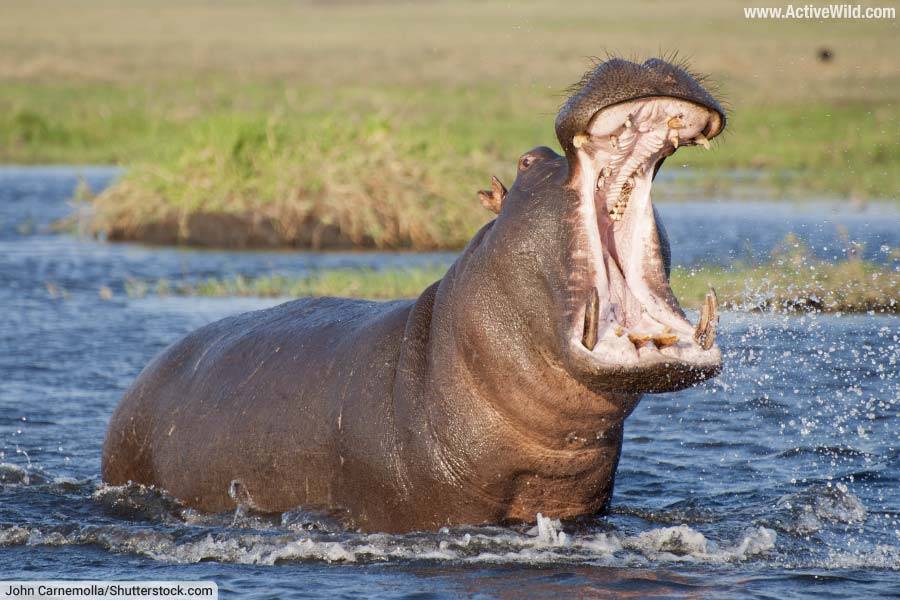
{"type": "Point", "coordinates": [778, 479]}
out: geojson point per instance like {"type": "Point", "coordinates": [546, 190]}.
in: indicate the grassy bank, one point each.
{"type": "Point", "coordinates": [788, 284]}
{"type": "Point", "coordinates": [373, 124]}
{"type": "Point", "coordinates": [371, 177]}
{"type": "Point", "coordinates": [846, 287]}
{"type": "Point", "coordinates": [352, 283]}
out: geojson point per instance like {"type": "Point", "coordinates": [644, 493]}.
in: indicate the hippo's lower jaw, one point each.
{"type": "Point", "coordinates": [628, 332]}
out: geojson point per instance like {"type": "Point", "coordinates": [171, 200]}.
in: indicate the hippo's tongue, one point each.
{"type": "Point", "coordinates": [630, 309]}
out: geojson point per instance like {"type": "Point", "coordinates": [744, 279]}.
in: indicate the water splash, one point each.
{"type": "Point", "coordinates": [813, 508]}
{"type": "Point", "coordinates": [175, 534]}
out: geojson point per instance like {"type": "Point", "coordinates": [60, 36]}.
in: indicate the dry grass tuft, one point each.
{"type": "Point", "coordinates": [321, 124]}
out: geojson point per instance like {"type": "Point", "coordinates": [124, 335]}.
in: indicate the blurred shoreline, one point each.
{"type": "Point", "coordinates": [373, 124]}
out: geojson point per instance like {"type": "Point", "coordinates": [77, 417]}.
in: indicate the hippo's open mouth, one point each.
{"type": "Point", "coordinates": [629, 321]}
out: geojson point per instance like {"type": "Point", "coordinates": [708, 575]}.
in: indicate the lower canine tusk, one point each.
{"type": "Point", "coordinates": [705, 333]}
{"type": "Point", "coordinates": [591, 320]}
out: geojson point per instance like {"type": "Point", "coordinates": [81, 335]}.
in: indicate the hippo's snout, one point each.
{"type": "Point", "coordinates": [617, 81]}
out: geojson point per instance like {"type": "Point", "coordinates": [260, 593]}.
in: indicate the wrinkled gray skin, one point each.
{"type": "Point", "coordinates": [460, 407]}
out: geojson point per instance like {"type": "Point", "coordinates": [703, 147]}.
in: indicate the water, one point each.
{"type": "Point", "coordinates": [779, 479]}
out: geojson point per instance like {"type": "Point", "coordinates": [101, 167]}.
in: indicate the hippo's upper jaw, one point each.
{"type": "Point", "coordinates": [626, 330]}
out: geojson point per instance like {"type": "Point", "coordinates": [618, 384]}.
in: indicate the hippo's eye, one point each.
{"type": "Point", "coordinates": [526, 161]}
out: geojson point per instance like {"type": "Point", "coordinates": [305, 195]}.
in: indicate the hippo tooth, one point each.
{"type": "Point", "coordinates": [705, 332]}
{"type": "Point", "coordinates": [579, 140]}
{"type": "Point", "coordinates": [702, 324]}
{"type": "Point", "coordinates": [607, 171]}
{"type": "Point", "coordinates": [628, 123]}
{"type": "Point", "coordinates": [673, 137]}
{"type": "Point", "coordinates": [591, 318]}
{"type": "Point", "coordinates": [675, 122]}
{"type": "Point", "coordinates": [614, 142]}
{"type": "Point", "coordinates": [639, 339]}
{"type": "Point", "coordinates": [701, 139]}
{"type": "Point", "coordinates": [664, 340]}
{"type": "Point", "coordinates": [713, 304]}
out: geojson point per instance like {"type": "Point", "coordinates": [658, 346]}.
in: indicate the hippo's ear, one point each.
{"type": "Point", "coordinates": [493, 199]}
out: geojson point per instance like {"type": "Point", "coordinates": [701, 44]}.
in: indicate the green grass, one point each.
{"type": "Point", "coordinates": [794, 281]}
{"type": "Point", "coordinates": [790, 283]}
{"type": "Point", "coordinates": [354, 283]}
{"type": "Point", "coordinates": [388, 168]}
{"type": "Point", "coordinates": [373, 124]}
{"type": "Point", "coordinates": [409, 182]}
{"type": "Point", "coordinates": [846, 287]}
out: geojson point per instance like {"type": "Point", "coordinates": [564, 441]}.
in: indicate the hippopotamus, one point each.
{"type": "Point", "coordinates": [499, 393]}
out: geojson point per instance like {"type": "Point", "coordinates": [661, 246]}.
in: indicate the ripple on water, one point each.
{"type": "Point", "coordinates": [738, 479]}
{"type": "Point", "coordinates": [266, 541]}
{"type": "Point", "coordinates": [814, 507]}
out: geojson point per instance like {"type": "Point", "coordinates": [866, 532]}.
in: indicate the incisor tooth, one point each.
{"type": "Point", "coordinates": [639, 339]}
{"type": "Point", "coordinates": [701, 139]}
{"type": "Point", "coordinates": [664, 340]}
{"type": "Point", "coordinates": [614, 142]}
{"type": "Point", "coordinates": [628, 123]}
{"type": "Point", "coordinates": [673, 137]}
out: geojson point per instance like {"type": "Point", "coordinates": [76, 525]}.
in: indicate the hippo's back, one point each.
{"type": "Point", "coordinates": [254, 398]}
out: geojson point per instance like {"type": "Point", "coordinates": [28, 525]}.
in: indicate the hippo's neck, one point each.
{"type": "Point", "coordinates": [495, 416]}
